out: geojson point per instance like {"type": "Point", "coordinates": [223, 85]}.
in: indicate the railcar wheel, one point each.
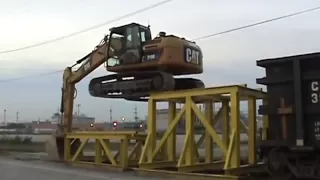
{"type": "Point", "coordinates": [277, 164]}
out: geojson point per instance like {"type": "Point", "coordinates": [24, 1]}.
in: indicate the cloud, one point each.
{"type": "Point", "coordinates": [233, 62]}
{"type": "Point", "coordinates": [229, 58]}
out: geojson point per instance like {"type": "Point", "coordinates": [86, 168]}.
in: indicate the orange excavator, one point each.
{"type": "Point", "coordinates": [143, 65]}
{"type": "Point", "coordinates": [140, 65]}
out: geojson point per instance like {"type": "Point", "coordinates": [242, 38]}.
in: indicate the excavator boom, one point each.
{"type": "Point", "coordinates": [89, 63]}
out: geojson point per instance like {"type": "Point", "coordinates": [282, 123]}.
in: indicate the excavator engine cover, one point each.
{"type": "Point", "coordinates": [137, 85]}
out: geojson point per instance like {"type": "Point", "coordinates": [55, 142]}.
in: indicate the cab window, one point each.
{"type": "Point", "coordinates": [145, 35]}
{"type": "Point", "coordinates": [133, 38]}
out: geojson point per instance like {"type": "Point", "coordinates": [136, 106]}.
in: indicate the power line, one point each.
{"type": "Point", "coordinates": [199, 38]}
{"type": "Point", "coordinates": [29, 76]}
{"type": "Point", "coordinates": [256, 24]}
{"type": "Point", "coordinates": [88, 29]}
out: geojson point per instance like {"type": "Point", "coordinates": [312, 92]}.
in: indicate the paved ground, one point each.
{"type": "Point", "coordinates": [30, 166]}
{"type": "Point", "coordinates": [11, 169]}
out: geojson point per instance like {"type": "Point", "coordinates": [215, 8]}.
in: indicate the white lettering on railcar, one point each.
{"type": "Point", "coordinates": [315, 92]}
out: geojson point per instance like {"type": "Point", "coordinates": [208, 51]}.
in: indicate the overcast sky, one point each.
{"type": "Point", "coordinates": [228, 58]}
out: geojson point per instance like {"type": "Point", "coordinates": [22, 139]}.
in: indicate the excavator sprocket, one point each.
{"type": "Point", "coordinates": [136, 86]}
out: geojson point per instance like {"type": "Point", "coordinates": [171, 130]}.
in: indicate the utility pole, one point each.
{"type": "Point", "coordinates": [17, 117]}
{"type": "Point", "coordinates": [78, 113]}
{"type": "Point", "coordinates": [4, 123]}
{"type": "Point", "coordinates": [17, 121]}
{"type": "Point", "coordinates": [5, 117]}
{"type": "Point", "coordinates": [110, 114]}
{"type": "Point", "coordinates": [136, 113]}
{"type": "Point", "coordinates": [78, 109]}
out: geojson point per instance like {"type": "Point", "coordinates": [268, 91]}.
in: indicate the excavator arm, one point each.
{"type": "Point", "coordinates": [55, 146]}
{"type": "Point", "coordinates": [88, 64]}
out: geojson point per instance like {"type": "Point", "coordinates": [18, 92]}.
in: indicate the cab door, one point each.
{"type": "Point", "coordinates": [133, 47]}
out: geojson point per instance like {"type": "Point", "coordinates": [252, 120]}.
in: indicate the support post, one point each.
{"type": "Point", "coordinates": [225, 121]}
{"type": "Point", "coordinates": [252, 134]}
{"type": "Point", "coordinates": [190, 133]}
{"type": "Point", "coordinates": [265, 121]}
{"type": "Point", "coordinates": [67, 149]}
{"type": "Point", "coordinates": [235, 124]}
{"type": "Point", "coordinates": [209, 113]}
{"type": "Point", "coordinates": [151, 129]}
{"type": "Point", "coordinates": [98, 152]}
{"type": "Point", "coordinates": [171, 143]}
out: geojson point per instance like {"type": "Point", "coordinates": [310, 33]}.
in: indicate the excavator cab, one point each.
{"type": "Point", "coordinates": [132, 37]}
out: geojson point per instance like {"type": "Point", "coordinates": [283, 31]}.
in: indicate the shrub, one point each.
{"type": "Point", "coordinates": [27, 140]}
{"type": "Point", "coordinates": [16, 140]}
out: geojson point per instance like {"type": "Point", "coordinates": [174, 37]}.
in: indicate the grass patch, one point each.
{"type": "Point", "coordinates": [15, 140]}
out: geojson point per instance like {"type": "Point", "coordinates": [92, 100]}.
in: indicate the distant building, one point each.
{"type": "Point", "coordinates": [76, 119]}
{"type": "Point", "coordinates": [81, 122]}
{"type": "Point", "coordinates": [48, 127]}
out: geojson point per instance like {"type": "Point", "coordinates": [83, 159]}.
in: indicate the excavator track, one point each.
{"type": "Point", "coordinates": [180, 84]}
{"type": "Point", "coordinates": [136, 86]}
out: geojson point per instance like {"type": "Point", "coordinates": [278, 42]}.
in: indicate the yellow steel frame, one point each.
{"type": "Point", "coordinates": [103, 153]}
{"type": "Point", "coordinates": [189, 160]}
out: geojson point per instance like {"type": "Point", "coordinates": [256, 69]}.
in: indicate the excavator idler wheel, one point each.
{"type": "Point", "coordinates": [157, 82]}
{"type": "Point", "coordinates": [199, 84]}
{"type": "Point", "coordinates": [188, 83]}
{"type": "Point", "coordinates": [168, 82]}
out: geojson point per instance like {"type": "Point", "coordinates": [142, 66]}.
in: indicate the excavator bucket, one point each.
{"type": "Point", "coordinates": [55, 147]}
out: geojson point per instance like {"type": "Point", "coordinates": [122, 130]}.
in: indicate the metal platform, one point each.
{"type": "Point", "coordinates": [149, 155]}
{"type": "Point", "coordinates": [230, 142]}
{"type": "Point", "coordinates": [123, 158]}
